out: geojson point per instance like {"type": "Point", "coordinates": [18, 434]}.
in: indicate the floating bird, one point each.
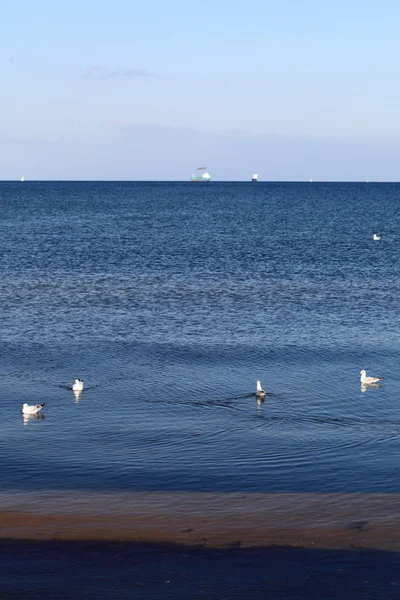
{"type": "Point", "coordinates": [32, 410]}
{"type": "Point", "coordinates": [78, 385]}
{"type": "Point", "coordinates": [260, 394]}
{"type": "Point", "coordinates": [376, 237]}
{"type": "Point", "coordinates": [368, 380]}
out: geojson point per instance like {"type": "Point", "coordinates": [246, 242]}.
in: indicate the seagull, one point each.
{"type": "Point", "coordinates": [376, 237]}
{"type": "Point", "coordinates": [260, 394]}
{"type": "Point", "coordinates": [368, 380]}
{"type": "Point", "coordinates": [32, 410]}
{"type": "Point", "coordinates": [78, 385]}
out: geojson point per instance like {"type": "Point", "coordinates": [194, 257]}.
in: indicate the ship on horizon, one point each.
{"type": "Point", "coordinates": [255, 177]}
{"type": "Point", "coordinates": [201, 178]}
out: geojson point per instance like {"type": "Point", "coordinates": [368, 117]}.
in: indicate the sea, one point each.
{"type": "Point", "coordinates": [170, 300]}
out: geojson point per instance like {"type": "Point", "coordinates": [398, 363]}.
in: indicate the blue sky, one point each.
{"type": "Point", "coordinates": [291, 89]}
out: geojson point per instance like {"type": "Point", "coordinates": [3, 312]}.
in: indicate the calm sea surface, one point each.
{"type": "Point", "coordinates": [170, 300]}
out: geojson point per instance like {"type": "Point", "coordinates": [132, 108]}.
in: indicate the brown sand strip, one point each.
{"type": "Point", "coordinates": [330, 521]}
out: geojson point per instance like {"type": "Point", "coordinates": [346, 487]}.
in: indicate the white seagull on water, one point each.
{"type": "Point", "coordinates": [376, 237]}
{"type": "Point", "coordinates": [30, 409]}
{"type": "Point", "coordinates": [78, 385]}
{"type": "Point", "coordinates": [260, 394]}
{"type": "Point", "coordinates": [368, 380]}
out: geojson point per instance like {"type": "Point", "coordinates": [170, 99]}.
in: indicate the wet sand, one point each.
{"type": "Point", "coordinates": [183, 545]}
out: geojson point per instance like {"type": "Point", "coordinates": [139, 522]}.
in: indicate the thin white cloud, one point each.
{"type": "Point", "coordinates": [98, 72]}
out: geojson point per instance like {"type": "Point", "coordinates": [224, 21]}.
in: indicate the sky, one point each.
{"type": "Point", "coordinates": [151, 90]}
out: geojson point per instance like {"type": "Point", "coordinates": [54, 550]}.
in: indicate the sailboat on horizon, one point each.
{"type": "Point", "coordinates": [204, 177]}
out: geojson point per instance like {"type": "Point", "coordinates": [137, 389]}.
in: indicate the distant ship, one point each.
{"type": "Point", "coordinates": [22, 178]}
{"type": "Point", "coordinates": [203, 178]}
{"type": "Point", "coordinates": [255, 177]}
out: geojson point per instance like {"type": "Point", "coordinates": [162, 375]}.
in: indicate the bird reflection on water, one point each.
{"type": "Point", "coordinates": [35, 417]}
{"type": "Point", "coordinates": [77, 395]}
{"type": "Point", "coordinates": [364, 387]}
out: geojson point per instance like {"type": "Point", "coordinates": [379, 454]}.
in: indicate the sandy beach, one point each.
{"type": "Point", "coordinates": [180, 545]}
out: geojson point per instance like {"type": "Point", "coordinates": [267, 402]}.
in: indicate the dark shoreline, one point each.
{"type": "Point", "coordinates": [68, 570]}
{"type": "Point", "coordinates": [184, 546]}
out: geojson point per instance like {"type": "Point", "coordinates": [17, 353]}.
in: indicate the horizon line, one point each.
{"type": "Point", "coordinates": [18, 180]}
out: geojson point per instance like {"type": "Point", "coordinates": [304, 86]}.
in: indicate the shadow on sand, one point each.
{"type": "Point", "coordinates": [146, 571]}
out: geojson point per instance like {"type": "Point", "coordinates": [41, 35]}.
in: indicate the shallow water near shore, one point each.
{"type": "Point", "coordinates": [324, 521]}
{"type": "Point", "coordinates": [170, 300]}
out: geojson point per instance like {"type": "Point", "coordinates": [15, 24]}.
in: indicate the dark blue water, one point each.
{"type": "Point", "coordinates": [170, 300]}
